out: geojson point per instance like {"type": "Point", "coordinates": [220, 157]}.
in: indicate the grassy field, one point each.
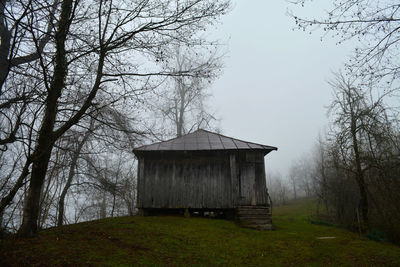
{"type": "Point", "coordinates": [178, 241]}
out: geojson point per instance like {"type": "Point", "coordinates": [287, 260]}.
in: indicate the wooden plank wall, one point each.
{"type": "Point", "coordinates": [247, 178]}
{"type": "Point", "coordinates": [140, 183]}
{"type": "Point", "coordinates": [208, 181]}
{"type": "Point", "coordinates": [260, 183]}
{"type": "Point", "coordinates": [252, 179]}
{"type": "Point", "coordinates": [187, 182]}
{"type": "Point", "coordinates": [234, 172]}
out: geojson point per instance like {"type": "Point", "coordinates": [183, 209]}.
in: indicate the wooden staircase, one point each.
{"type": "Point", "coordinates": [255, 217]}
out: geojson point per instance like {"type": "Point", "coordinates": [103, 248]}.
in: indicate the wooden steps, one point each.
{"type": "Point", "coordinates": [255, 217]}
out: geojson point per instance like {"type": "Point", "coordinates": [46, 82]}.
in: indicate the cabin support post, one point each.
{"type": "Point", "coordinates": [141, 212]}
{"type": "Point", "coordinates": [186, 213]}
{"type": "Point", "coordinates": [230, 214]}
{"type": "Point", "coordinates": [144, 212]}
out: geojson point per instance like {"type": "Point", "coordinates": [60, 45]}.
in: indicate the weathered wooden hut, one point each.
{"type": "Point", "coordinates": [205, 171]}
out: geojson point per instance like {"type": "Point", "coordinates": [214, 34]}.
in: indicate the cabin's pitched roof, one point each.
{"type": "Point", "coordinates": [203, 140]}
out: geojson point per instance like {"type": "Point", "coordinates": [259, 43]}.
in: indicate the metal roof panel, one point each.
{"type": "Point", "coordinates": [203, 140]}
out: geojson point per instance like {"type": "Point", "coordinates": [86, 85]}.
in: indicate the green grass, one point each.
{"type": "Point", "coordinates": [182, 241]}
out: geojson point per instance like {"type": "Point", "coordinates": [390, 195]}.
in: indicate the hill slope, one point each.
{"type": "Point", "coordinates": [198, 241]}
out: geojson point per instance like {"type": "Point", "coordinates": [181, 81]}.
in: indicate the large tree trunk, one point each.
{"type": "Point", "coordinates": [39, 168]}
{"type": "Point", "coordinates": [42, 153]}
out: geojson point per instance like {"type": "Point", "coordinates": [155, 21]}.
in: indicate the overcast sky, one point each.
{"type": "Point", "coordinates": [274, 88]}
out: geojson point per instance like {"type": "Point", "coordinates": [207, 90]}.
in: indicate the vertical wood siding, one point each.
{"type": "Point", "coordinates": [191, 182]}
{"type": "Point", "coordinates": [247, 178]}
{"type": "Point", "coordinates": [252, 179]}
{"type": "Point", "coordinates": [214, 180]}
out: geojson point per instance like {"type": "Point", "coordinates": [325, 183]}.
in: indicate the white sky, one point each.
{"type": "Point", "coordinates": [274, 88]}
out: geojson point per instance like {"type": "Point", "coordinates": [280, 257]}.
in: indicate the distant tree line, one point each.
{"type": "Point", "coordinates": [353, 171]}
{"type": "Point", "coordinates": [356, 165]}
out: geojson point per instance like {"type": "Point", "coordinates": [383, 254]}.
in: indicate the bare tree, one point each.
{"type": "Point", "coordinates": [375, 24]}
{"type": "Point", "coordinates": [75, 154]}
{"type": "Point", "coordinates": [18, 92]}
{"type": "Point", "coordinates": [356, 164]}
{"type": "Point", "coordinates": [320, 159]}
{"type": "Point", "coordinates": [278, 189]}
{"type": "Point", "coordinates": [302, 177]}
{"type": "Point", "coordinates": [102, 51]}
{"type": "Point", "coordinates": [182, 98]}
{"type": "Point", "coordinates": [107, 134]}
{"type": "Point", "coordinates": [293, 179]}
{"type": "Point", "coordinates": [15, 20]}
{"type": "Point", "coordinates": [356, 116]}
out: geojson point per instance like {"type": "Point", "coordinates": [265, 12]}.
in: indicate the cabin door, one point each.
{"type": "Point", "coordinates": [247, 190]}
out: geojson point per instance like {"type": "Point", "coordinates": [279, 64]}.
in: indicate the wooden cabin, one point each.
{"type": "Point", "coordinates": [205, 171]}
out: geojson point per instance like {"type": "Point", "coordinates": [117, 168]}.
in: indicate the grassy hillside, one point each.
{"type": "Point", "coordinates": [196, 241]}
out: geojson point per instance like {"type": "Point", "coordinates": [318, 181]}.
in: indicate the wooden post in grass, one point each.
{"type": "Point", "coordinates": [187, 213]}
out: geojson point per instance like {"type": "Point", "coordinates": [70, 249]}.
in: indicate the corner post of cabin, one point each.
{"type": "Point", "coordinates": [234, 179]}
{"type": "Point", "coordinates": [267, 196]}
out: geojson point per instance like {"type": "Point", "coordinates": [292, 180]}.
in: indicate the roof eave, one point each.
{"type": "Point", "coordinates": [138, 150]}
